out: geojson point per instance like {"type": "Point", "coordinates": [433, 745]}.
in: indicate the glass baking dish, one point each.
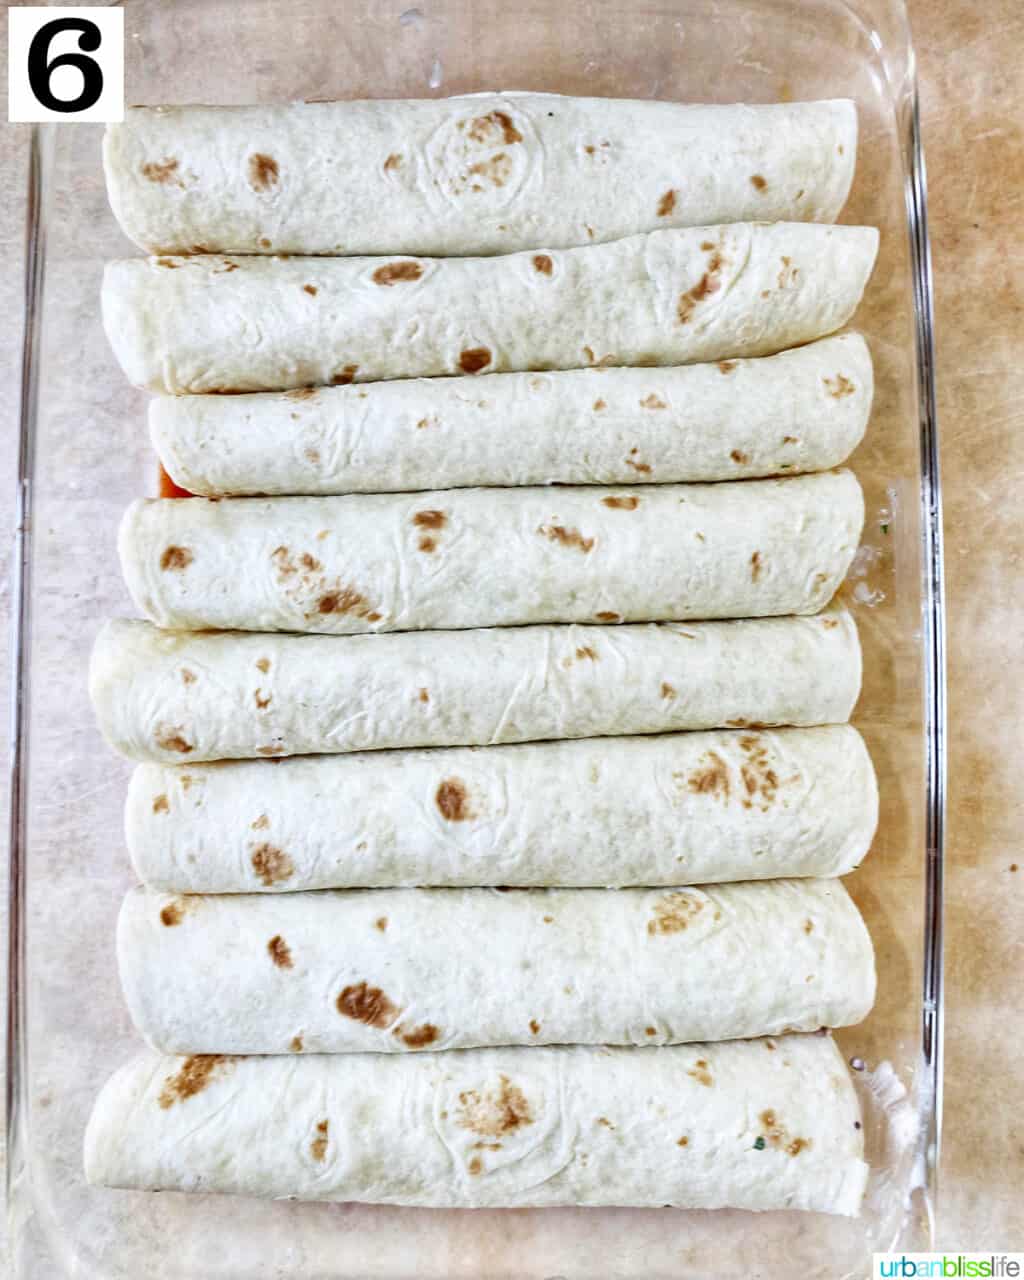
{"type": "Point", "coordinates": [85, 454]}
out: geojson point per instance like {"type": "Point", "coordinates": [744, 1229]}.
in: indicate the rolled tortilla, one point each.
{"type": "Point", "coordinates": [667, 297]}
{"type": "Point", "coordinates": [489, 173]}
{"type": "Point", "coordinates": [803, 410]}
{"type": "Point", "coordinates": [692, 808]}
{"type": "Point", "coordinates": [492, 557]}
{"type": "Point", "coordinates": [398, 970]}
{"type": "Point", "coordinates": [179, 697]}
{"type": "Point", "coordinates": [754, 1124]}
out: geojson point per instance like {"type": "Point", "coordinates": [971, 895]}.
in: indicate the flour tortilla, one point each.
{"type": "Point", "coordinates": [753, 1124]}
{"type": "Point", "coordinates": [181, 698]}
{"type": "Point", "coordinates": [803, 410]}
{"type": "Point", "coordinates": [402, 970]}
{"type": "Point", "coordinates": [664, 298]}
{"type": "Point", "coordinates": [462, 558]}
{"type": "Point", "coordinates": [484, 174]}
{"type": "Point", "coordinates": [693, 808]}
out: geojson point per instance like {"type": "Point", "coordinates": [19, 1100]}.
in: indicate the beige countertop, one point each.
{"type": "Point", "coordinates": [972, 89]}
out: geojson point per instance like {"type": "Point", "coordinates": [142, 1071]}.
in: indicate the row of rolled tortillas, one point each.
{"type": "Point", "coordinates": [750, 1124]}
{"type": "Point", "coordinates": [799, 411]}
{"type": "Point", "coordinates": [690, 808]}
{"type": "Point", "coordinates": [489, 173]}
{"type": "Point", "coordinates": [204, 324]}
{"type": "Point", "coordinates": [493, 557]}
{"type": "Point", "coordinates": [403, 970]}
{"type": "Point", "coordinates": [181, 697]}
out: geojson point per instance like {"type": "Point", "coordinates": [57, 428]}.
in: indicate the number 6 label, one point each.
{"type": "Point", "coordinates": [65, 64]}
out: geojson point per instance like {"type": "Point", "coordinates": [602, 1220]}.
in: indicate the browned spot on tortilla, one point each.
{"type": "Point", "coordinates": [263, 171]}
{"type": "Point", "coordinates": [740, 723]}
{"type": "Point", "coordinates": [475, 1165]}
{"type": "Point", "coordinates": [271, 864]}
{"type": "Point", "coordinates": [271, 750]}
{"type": "Point", "coordinates": [788, 273]}
{"type": "Point", "coordinates": [650, 1031]}
{"type": "Point", "coordinates": [312, 455]}
{"type": "Point", "coordinates": [174, 912]}
{"type": "Point", "coordinates": [830, 622]}
{"type": "Point", "coordinates": [172, 740]}
{"type": "Point", "coordinates": [452, 800]}
{"type": "Point", "coordinates": [424, 696]}
{"type": "Point", "coordinates": [755, 566]}
{"type": "Point", "coordinates": [839, 386]}
{"type": "Point", "coordinates": [261, 823]}
{"type": "Point", "coordinates": [429, 519]}
{"type": "Point", "coordinates": [161, 805]}
{"type": "Point", "coordinates": [161, 171]}
{"type": "Point", "coordinates": [261, 702]}
{"type": "Point", "coordinates": [346, 600]}
{"type": "Point", "coordinates": [674, 912]}
{"type": "Point", "coordinates": [653, 402]}
{"type": "Point", "coordinates": [608, 615]}
{"type": "Point", "coordinates": [296, 1044]}
{"type": "Point", "coordinates": [192, 1077]}
{"type": "Point", "coordinates": [397, 272]}
{"type": "Point", "coordinates": [301, 393]}
{"type": "Point", "coordinates": [757, 182]}
{"type": "Point", "coordinates": [589, 353]}
{"type": "Point", "coordinates": [622, 504]}
{"type": "Point", "coordinates": [423, 422]}
{"type": "Point", "coordinates": [712, 778]}
{"type": "Point", "coordinates": [700, 1072]}
{"type": "Point", "coordinates": [567, 537]}
{"type": "Point", "coordinates": [808, 926]}
{"type": "Point", "coordinates": [381, 923]}
{"type": "Point", "coordinates": [185, 781]}
{"type": "Point", "coordinates": [392, 162]}
{"type": "Point", "coordinates": [775, 1134]}
{"type": "Point", "coordinates": [738, 456]}
{"type": "Point", "coordinates": [493, 1113]}
{"type": "Point", "coordinates": [280, 952]}
{"type": "Point", "coordinates": [726, 366]}
{"type": "Point", "coordinates": [169, 263]}
{"type": "Point", "coordinates": [264, 243]}
{"type": "Point", "coordinates": [426, 543]}
{"type": "Point", "coordinates": [364, 1003]}
{"type": "Point", "coordinates": [534, 1026]}
{"type": "Point", "coordinates": [709, 283]}
{"type": "Point", "coordinates": [585, 651]}
{"type": "Point", "coordinates": [176, 558]}
{"type": "Point", "coordinates": [667, 691]}
{"type": "Point", "coordinates": [473, 359]}
{"type": "Point", "coordinates": [759, 779]}
{"type": "Point", "coordinates": [343, 378]}
{"type": "Point", "coordinates": [542, 263]}
{"type": "Point", "coordinates": [310, 289]}
{"type": "Point", "coordinates": [225, 267]}
{"type": "Point", "coordinates": [483, 125]}
{"type": "Point", "coordinates": [599, 405]}
{"type": "Point", "coordinates": [683, 1142]}
{"type": "Point", "coordinates": [187, 676]}
{"type": "Point", "coordinates": [642, 467]}
{"type": "Point", "coordinates": [605, 1121]}
{"type": "Point", "coordinates": [666, 204]}
{"type": "Point", "coordinates": [318, 1147]}
{"type": "Point", "coordinates": [419, 1037]}
{"type": "Point", "coordinates": [548, 919]}
{"type": "Point", "coordinates": [790, 440]}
